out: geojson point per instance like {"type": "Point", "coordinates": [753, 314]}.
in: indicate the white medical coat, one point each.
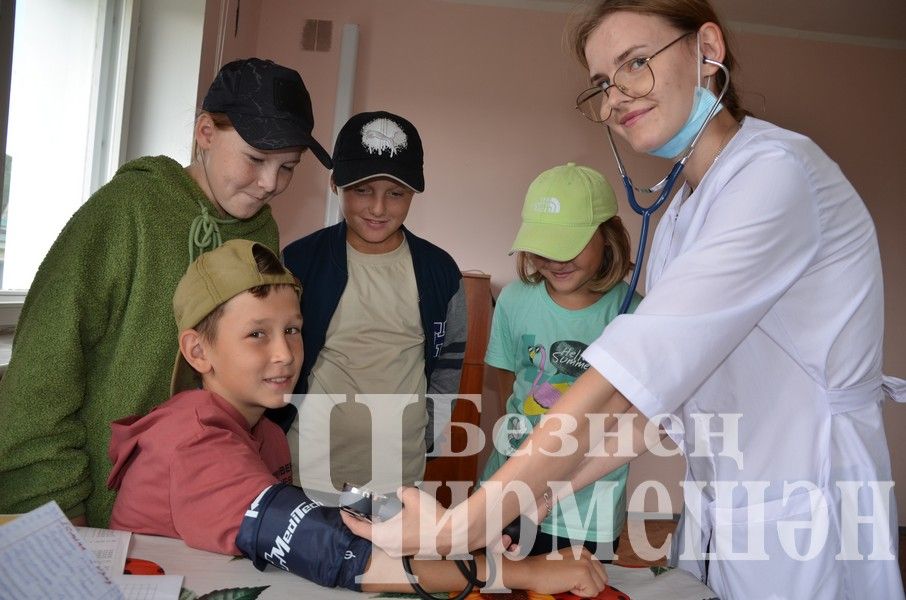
{"type": "Point", "coordinates": [764, 300]}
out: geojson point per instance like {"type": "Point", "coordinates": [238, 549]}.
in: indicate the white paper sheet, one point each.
{"type": "Point", "coordinates": [642, 584]}
{"type": "Point", "coordinates": [108, 546]}
{"type": "Point", "coordinates": [149, 587]}
{"type": "Point", "coordinates": [43, 556]}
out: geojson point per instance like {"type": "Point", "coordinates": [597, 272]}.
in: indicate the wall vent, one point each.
{"type": "Point", "coordinates": [316, 35]}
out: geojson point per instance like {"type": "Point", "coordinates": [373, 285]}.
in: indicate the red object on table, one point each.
{"type": "Point", "coordinates": [140, 566]}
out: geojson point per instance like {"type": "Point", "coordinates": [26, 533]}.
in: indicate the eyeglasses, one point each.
{"type": "Point", "coordinates": [634, 78]}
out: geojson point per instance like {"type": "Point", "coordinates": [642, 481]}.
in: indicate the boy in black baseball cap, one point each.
{"type": "Point", "coordinates": [254, 126]}
{"type": "Point", "coordinates": [386, 315]}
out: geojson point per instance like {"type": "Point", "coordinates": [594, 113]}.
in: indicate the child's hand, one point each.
{"type": "Point", "coordinates": [584, 576]}
{"type": "Point", "coordinates": [543, 507]}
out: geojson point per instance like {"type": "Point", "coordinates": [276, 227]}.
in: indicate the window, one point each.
{"type": "Point", "coordinates": [74, 66]}
{"type": "Point", "coordinates": [60, 89]}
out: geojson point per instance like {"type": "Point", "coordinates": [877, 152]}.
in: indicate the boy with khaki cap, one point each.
{"type": "Point", "coordinates": [240, 349]}
{"type": "Point", "coordinates": [205, 467]}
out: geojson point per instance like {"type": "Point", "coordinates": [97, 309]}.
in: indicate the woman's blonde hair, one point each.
{"type": "Point", "coordinates": [615, 259]}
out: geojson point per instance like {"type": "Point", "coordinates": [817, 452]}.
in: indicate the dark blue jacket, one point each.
{"type": "Point", "coordinates": [319, 261]}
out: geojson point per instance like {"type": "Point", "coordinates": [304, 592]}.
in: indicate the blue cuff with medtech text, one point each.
{"type": "Point", "coordinates": [287, 529]}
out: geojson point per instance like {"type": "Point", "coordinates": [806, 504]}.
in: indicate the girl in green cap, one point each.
{"type": "Point", "coordinates": [573, 253]}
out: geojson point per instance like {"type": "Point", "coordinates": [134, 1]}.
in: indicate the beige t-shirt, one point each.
{"type": "Point", "coordinates": [374, 348]}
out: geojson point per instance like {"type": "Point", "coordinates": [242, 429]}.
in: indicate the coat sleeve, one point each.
{"type": "Point", "coordinates": [77, 294]}
{"type": "Point", "coordinates": [761, 235]}
{"type": "Point", "coordinates": [447, 370]}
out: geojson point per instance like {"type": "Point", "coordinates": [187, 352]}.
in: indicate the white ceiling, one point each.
{"type": "Point", "coordinates": [873, 20]}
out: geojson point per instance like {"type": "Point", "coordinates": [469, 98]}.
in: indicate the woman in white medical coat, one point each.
{"type": "Point", "coordinates": [763, 316]}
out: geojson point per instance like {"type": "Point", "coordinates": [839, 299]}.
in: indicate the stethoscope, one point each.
{"type": "Point", "coordinates": [664, 186]}
{"type": "Point", "coordinates": [468, 569]}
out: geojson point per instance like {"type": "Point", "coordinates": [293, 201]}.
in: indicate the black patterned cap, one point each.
{"type": "Point", "coordinates": [379, 144]}
{"type": "Point", "coordinates": [267, 104]}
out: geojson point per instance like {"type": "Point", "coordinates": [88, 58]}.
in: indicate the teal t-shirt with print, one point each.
{"type": "Point", "coordinates": [542, 343]}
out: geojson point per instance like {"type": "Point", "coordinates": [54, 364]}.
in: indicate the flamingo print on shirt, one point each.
{"type": "Point", "coordinates": [566, 359]}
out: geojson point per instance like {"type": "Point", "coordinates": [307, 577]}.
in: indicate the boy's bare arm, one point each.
{"type": "Point", "coordinates": [584, 576]}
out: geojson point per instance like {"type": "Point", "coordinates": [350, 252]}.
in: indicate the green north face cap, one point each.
{"type": "Point", "coordinates": [211, 280]}
{"type": "Point", "coordinates": [562, 210]}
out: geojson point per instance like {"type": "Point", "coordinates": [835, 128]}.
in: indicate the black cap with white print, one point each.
{"type": "Point", "coordinates": [379, 144]}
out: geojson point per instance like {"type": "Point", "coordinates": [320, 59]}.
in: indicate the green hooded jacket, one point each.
{"type": "Point", "coordinates": [96, 340]}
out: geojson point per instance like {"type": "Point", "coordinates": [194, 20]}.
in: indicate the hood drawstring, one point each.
{"type": "Point", "coordinates": [204, 234]}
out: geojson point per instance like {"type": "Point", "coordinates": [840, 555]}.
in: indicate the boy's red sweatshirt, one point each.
{"type": "Point", "coordinates": [190, 469]}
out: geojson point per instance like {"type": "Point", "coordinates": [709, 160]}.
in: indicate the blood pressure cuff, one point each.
{"type": "Point", "coordinates": [287, 529]}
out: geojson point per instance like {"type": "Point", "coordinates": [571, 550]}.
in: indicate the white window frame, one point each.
{"type": "Point", "coordinates": [10, 302]}
{"type": "Point", "coordinates": [10, 308]}
{"type": "Point", "coordinates": [114, 56]}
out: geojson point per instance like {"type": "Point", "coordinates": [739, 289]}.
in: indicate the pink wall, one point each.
{"type": "Point", "coordinates": [850, 100]}
{"type": "Point", "coordinates": [492, 89]}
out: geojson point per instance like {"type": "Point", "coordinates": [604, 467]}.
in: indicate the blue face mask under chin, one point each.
{"type": "Point", "coordinates": [704, 100]}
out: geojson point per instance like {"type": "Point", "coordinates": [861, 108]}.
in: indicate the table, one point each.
{"type": "Point", "coordinates": [205, 572]}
